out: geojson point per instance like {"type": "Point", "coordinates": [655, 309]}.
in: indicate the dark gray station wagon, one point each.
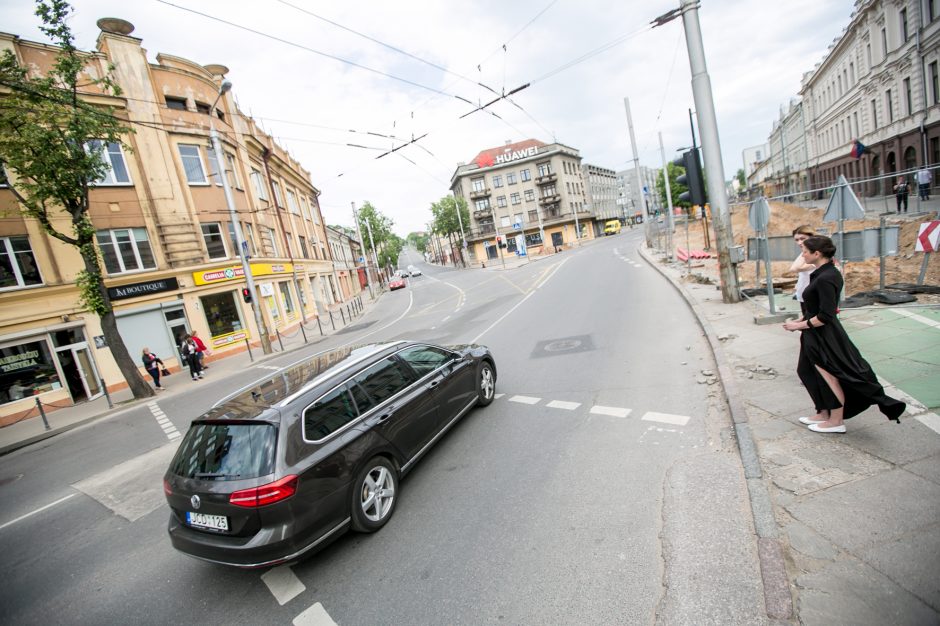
{"type": "Point", "coordinates": [278, 469]}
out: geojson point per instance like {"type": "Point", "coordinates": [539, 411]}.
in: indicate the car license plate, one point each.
{"type": "Point", "coordinates": [211, 522]}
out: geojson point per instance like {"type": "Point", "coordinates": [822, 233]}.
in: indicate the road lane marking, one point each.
{"type": "Point", "coordinates": [269, 367]}
{"type": "Point", "coordinates": [524, 399]}
{"type": "Point", "coordinates": [561, 404]}
{"type": "Point", "coordinates": [39, 510]}
{"type": "Point", "coordinates": [316, 615]}
{"type": "Point", "coordinates": [666, 418]}
{"type": "Point", "coordinates": [517, 287]}
{"type": "Point", "coordinates": [283, 583]}
{"type": "Point", "coordinates": [918, 318]}
{"type": "Point", "coordinates": [613, 411]}
{"type": "Point", "coordinates": [162, 420]}
{"type": "Point", "coordinates": [445, 319]}
{"type": "Point", "coordinates": [930, 420]}
{"type": "Point", "coordinates": [498, 396]}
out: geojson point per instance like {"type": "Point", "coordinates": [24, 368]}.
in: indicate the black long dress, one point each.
{"type": "Point", "coordinates": [830, 348]}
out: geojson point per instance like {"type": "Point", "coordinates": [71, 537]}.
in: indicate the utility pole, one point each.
{"type": "Point", "coordinates": [669, 223]}
{"type": "Point", "coordinates": [375, 257]}
{"type": "Point", "coordinates": [636, 170]}
{"type": "Point", "coordinates": [363, 244]}
{"type": "Point", "coordinates": [463, 237]}
{"type": "Point", "coordinates": [711, 146]}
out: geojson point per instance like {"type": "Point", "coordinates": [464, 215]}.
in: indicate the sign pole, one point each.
{"type": "Point", "coordinates": [923, 268]}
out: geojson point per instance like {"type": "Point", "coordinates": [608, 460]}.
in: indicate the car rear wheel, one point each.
{"type": "Point", "coordinates": [486, 384]}
{"type": "Point", "coordinates": [374, 495]}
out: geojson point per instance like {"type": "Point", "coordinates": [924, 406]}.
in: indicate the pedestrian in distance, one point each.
{"type": "Point", "coordinates": [901, 191]}
{"type": "Point", "coordinates": [189, 353]}
{"type": "Point", "coordinates": [924, 178]}
{"type": "Point", "coordinates": [801, 268]}
{"type": "Point", "coordinates": [153, 365]}
{"type": "Point", "coordinates": [840, 382]}
{"type": "Point", "coordinates": [201, 350]}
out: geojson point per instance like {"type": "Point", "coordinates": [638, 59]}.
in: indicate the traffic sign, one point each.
{"type": "Point", "coordinates": [517, 226]}
{"type": "Point", "coordinates": [759, 214]}
{"type": "Point", "coordinates": [843, 205]}
{"type": "Point", "coordinates": [928, 237]}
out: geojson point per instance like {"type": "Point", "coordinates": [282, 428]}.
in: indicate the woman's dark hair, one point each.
{"type": "Point", "coordinates": [823, 245]}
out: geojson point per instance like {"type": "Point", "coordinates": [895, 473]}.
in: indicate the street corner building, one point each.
{"type": "Point", "coordinates": [527, 197]}
{"type": "Point", "coordinates": [165, 235]}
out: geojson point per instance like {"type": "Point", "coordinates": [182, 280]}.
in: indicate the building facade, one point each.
{"type": "Point", "coordinates": [632, 200]}
{"type": "Point", "coordinates": [164, 232]}
{"type": "Point", "coordinates": [528, 189]}
{"type": "Point", "coordinates": [345, 250]}
{"type": "Point", "coordinates": [600, 186]}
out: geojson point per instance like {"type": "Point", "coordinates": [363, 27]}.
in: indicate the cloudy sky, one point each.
{"type": "Point", "coordinates": [434, 54]}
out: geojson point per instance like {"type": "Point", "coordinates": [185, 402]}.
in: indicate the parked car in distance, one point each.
{"type": "Point", "coordinates": [414, 271]}
{"type": "Point", "coordinates": [397, 282]}
{"type": "Point", "coordinates": [612, 227]}
{"type": "Point", "coordinates": [284, 466]}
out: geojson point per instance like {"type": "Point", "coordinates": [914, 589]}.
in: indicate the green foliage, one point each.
{"type": "Point", "coordinates": [388, 245]}
{"type": "Point", "coordinates": [445, 216]}
{"type": "Point", "coordinates": [419, 241]}
{"type": "Point", "coordinates": [742, 179]}
{"type": "Point", "coordinates": [675, 188]}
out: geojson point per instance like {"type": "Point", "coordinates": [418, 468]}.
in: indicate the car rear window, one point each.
{"type": "Point", "coordinates": [214, 451]}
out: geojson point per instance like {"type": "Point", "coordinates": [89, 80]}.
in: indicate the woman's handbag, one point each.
{"type": "Point", "coordinates": [165, 372]}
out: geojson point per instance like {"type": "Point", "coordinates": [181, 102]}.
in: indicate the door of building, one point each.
{"type": "Point", "coordinates": [178, 326]}
{"type": "Point", "coordinates": [557, 240]}
{"type": "Point", "coordinates": [79, 371]}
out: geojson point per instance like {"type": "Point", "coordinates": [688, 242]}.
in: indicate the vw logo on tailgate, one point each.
{"type": "Point", "coordinates": [195, 501]}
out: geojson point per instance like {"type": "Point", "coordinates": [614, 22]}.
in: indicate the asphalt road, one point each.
{"type": "Point", "coordinates": [559, 503]}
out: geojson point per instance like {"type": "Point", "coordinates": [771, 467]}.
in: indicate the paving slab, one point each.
{"type": "Point", "coordinates": [898, 443]}
{"type": "Point", "coordinates": [805, 541]}
{"type": "Point", "coordinates": [926, 468]}
{"type": "Point", "coordinates": [901, 561]}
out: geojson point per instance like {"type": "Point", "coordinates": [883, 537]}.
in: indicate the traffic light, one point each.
{"type": "Point", "coordinates": [246, 294]}
{"type": "Point", "coordinates": [692, 178]}
{"type": "Point", "coordinates": [499, 242]}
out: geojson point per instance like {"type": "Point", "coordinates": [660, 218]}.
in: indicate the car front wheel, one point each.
{"type": "Point", "coordinates": [486, 384]}
{"type": "Point", "coordinates": [374, 495]}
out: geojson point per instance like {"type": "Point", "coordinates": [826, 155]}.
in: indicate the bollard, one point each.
{"type": "Point", "coordinates": [250, 355]}
{"type": "Point", "coordinates": [42, 414]}
{"type": "Point", "coordinates": [348, 313]}
{"type": "Point", "coordinates": [281, 343]}
{"type": "Point", "coordinates": [319, 325]}
{"type": "Point", "coordinates": [303, 333]}
{"type": "Point", "coordinates": [106, 394]}
{"type": "Point", "coordinates": [331, 320]}
{"type": "Point", "coordinates": [342, 315]}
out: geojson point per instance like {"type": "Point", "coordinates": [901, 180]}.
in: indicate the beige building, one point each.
{"type": "Point", "coordinates": [164, 231]}
{"type": "Point", "coordinates": [346, 251]}
{"type": "Point", "coordinates": [527, 189]}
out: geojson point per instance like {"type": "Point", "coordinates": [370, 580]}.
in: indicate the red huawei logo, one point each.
{"type": "Point", "coordinates": [485, 160]}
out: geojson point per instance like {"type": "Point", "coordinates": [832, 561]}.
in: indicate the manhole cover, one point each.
{"type": "Point", "coordinates": [563, 345]}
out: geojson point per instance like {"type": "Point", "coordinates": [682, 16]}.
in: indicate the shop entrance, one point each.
{"type": "Point", "coordinates": [79, 371]}
{"type": "Point", "coordinates": [557, 240]}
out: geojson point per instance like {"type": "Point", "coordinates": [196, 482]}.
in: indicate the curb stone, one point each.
{"type": "Point", "coordinates": [778, 600]}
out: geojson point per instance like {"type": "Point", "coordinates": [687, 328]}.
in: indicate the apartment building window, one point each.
{"type": "Point", "coordinates": [114, 160]}
{"type": "Point", "coordinates": [934, 83]}
{"type": "Point", "coordinates": [478, 184]}
{"type": "Point", "coordinates": [533, 216]}
{"type": "Point", "coordinates": [544, 169]}
{"type": "Point", "coordinates": [125, 250]}
{"type": "Point", "coordinates": [514, 198]}
{"type": "Point", "coordinates": [304, 210]}
{"type": "Point", "coordinates": [292, 203]}
{"type": "Point", "coordinates": [908, 99]}
{"type": "Point", "coordinates": [902, 18]}
{"type": "Point", "coordinates": [518, 218]}
{"type": "Point", "coordinates": [234, 179]}
{"type": "Point", "coordinates": [482, 204]}
{"type": "Point", "coordinates": [884, 43]}
{"type": "Point", "coordinates": [192, 164]}
{"type": "Point", "coordinates": [314, 211]}
{"type": "Point", "coordinates": [504, 222]}
{"type": "Point", "coordinates": [548, 191]}
{"type": "Point", "coordinates": [564, 166]}
{"type": "Point", "coordinates": [568, 186]}
{"type": "Point", "coordinates": [269, 241]}
{"type": "Point", "coordinates": [529, 195]}
{"type": "Point", "coordinates": [497, 181]}
{"type": "Point", "coordinates": [278, 198]}
{"type": "Point", "coordinates": [303, 247]}
{"type": "Point", "coordinates": [289, 240]}
{"type": "Point", "coordinates": [511, 178]}
{"type": "Point", "coordinates": [524, 175]}
{"type": "Point", "coordinates": [840, 85]}
{"type": "Point", "coordinates": [215, 243]}
{"type": "Point", "coordinates": [18, 266]}
{"type": "Point", "coordinates": [933, 10]}
{"type": "Point", "coordinates": [855, 120]}
{"type": "Point", "coordinates": [178, 104]}
{"type": "Point", "coordinates": [249, 233]}
{"type": "Point", "coordinates": [230, 172]}
{"type": "Point", "coordinates": [501, 201]}
{"type": "Point", "coordinates": [868, 54]}
{"type": "Point", "coordinates": [257, 181]}
{"type": "Point", "coordinates": [852, 73]}
{"type": "Point", "coordinates": [874, 115]}
{"type": "Point", "coordinates": [890, 106]}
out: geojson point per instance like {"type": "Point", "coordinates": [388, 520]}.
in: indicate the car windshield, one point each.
{"type": "Point", "coordinates": [220, 451]}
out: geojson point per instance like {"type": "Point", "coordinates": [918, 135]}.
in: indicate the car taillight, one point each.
{"type": "Point", "coordinates": [265, 494]}
{"type": "Point", "coordinates": [166, 488]}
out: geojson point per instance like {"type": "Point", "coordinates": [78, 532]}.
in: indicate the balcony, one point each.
{"type": "Point", "coordinates": [482, 193]}
{"type": "Point", "coordinates": [543, 200]}
{"type": "Point", "coordinates": [478, 213]}
{"type": "Point", "coordinates": [548, 178]}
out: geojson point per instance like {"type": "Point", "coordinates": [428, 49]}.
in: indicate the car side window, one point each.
{"type": "Point", "coordinates": [425, 359]}
{"type": "Point", "coordinates": [329, 414]}
{"type": "Point", "coordinates": [384, 379]}
{"type": "Point", "coordinates": [363, 401]}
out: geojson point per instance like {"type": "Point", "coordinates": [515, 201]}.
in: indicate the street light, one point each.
{"type": "Point", "coordinates": [236, 225]}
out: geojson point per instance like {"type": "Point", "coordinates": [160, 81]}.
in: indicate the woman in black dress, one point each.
{"type": "Point", "coordinates": [840, 382]}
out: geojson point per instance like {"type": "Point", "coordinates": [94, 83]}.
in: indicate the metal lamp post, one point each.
{"type": "Point", "coordinates": [236, 225]}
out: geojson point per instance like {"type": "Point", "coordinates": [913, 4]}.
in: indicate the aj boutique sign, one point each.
{"type": "Point", "coordinates": [142, 289]}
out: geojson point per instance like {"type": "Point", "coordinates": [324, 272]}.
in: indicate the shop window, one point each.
{"type": "Point", "coordinates": [18, 266]}
{"type": "Point", "coordinates": [26, 369]}
{"type": "Point", "coordinates": [113, 156]}
{"type": "Point", "coordinates": [125, 250]}
{"type": "Point", "coordinates": [215, 243]}
{"type": "Point", "coordinates": [192, 164]}
{"type": "Point", "coordinates": [222, 313]}
{"type": "Point", "coordinates": [286, 297]}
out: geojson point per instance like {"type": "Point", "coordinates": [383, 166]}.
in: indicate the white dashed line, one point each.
{"type": "Point", "coordinates": [498, 396]}
{"type": "Point", "coordinates": [39, 510]}
{"type": "Point", "coordinates": [613, 411]}
{"type": "Point", "coordinates": [666, 418]}
{"type": "Point", "coordinates": [445, 319]}
{"type": "Point", "coordinates": [524, 399]}
{"type": "Point", "coordinates": [561, 404]}
{"type": "Point", "coordinates": [163, 422]}
{"type": "Point", "coordinates": [268, 367]}
{"type": "Point", "coordinates": [283, 584]}
{"type": "Point", "coordinates": [314, 616]}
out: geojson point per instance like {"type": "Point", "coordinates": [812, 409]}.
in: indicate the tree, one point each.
{"type": "Point", "coordinates": [388, 245]}
{"type": "Point", "coordinates": [446, 222]}
{"type": "Point", "coordinates": [52, 142]}
{"type": "Point", "coordinates": [418, 240]}
{"type": "Point", "coordinates": [675, 188]}
{"type": "Point", "coordinates": [742, 179]}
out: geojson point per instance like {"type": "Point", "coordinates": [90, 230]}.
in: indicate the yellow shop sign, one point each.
{"type": "Point", "coordinates": [235, 272]}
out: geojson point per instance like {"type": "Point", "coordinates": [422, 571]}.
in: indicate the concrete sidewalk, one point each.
{"type": "Point", "coordinates": [32, 429]}
{"type": "Point", "coordinates": [857, 515]}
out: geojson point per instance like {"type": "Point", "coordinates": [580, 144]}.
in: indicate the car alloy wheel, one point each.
{"type": "Point", "coordinates": [374, 497]}
{"type": "Point", "coordinates": [486, 383]}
